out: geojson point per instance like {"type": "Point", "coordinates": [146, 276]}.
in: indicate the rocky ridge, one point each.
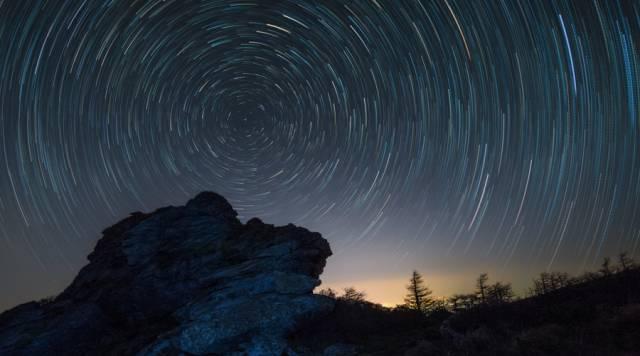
{"type": "Point", "coordinates": [181, 280]}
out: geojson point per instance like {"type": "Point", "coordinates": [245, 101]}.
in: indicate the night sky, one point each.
{"type": "Point", "coordinates": [454, 137]}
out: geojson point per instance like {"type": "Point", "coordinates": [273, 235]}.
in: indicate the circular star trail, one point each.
{"type": "Point", "coordinates": [404, 131]}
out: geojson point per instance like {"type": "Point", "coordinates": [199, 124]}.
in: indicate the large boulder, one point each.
{"type": "Point", "coordinates": [181, 280]}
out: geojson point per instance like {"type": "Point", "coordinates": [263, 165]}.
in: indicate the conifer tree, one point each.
{"type": "Point", "coordinates": [481, 287]}
{"type": "Point", "coordinates": [419, 295]}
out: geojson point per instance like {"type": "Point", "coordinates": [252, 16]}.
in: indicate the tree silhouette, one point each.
{"type": "Point", "coordinates": [328, 292]}
{"type": "Point", "coordinates": [549, 281]}
{"type": "Point", "coordinates": [625, 262]}
{"type": "Point", "coordinates": [540, 284]}
{"type": "Point", "coordinates": [419, 295]}
{"type": "Point", "coordinates": [605, 268]}
{"type": "Point", "coordinates": [481, 287]}
{"type": "Point", "coordinates": [352, 295]}
{"type": "Point", "coordinates": [500, 293]}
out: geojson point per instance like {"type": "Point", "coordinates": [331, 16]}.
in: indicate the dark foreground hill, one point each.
{"type": "Point", "coordinates": [600, 316]}
{"type": "Point", "coordinates": [194, 280]}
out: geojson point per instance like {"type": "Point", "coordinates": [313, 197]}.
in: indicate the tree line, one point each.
{"type": "Point", "coordinates": [419, 296]}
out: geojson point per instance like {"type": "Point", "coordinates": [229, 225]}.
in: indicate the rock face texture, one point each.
{"type": "Point", "coordinates": [181, 280]}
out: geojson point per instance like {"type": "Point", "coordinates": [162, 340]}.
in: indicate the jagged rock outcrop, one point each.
{"type": "Point", "coordinates": [180, 280]}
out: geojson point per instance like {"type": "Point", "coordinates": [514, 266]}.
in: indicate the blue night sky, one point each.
{"type": "Point", "coordinates": [453, 137]}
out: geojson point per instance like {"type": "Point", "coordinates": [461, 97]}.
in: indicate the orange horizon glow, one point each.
{"type": "Point", "coordinates": [390, 292]}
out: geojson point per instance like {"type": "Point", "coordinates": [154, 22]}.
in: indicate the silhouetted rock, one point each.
{"type": "Point", "coordinates": [180, 280]}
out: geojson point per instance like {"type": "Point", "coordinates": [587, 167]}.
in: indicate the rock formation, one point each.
{"type": "Point", "coordinates": [181, 280]}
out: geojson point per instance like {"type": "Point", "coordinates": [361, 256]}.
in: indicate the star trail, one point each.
{"type": "Point", "coordinates": [456, 136]}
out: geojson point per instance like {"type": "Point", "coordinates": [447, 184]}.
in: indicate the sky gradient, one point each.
{"type": "Point", "coordinates": [452, 137]}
